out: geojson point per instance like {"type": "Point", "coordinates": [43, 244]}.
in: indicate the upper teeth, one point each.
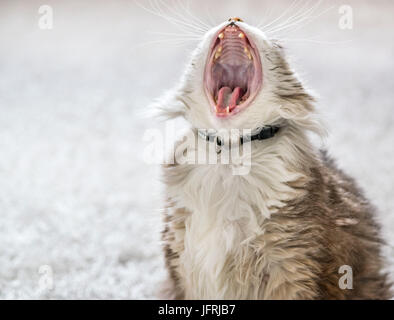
{"type": "Point", "coordinates": [221, 35]}
{"type": "Point", "coordinates": [217, 54]}
{"type": "Point", "coordinates": [248, 53]}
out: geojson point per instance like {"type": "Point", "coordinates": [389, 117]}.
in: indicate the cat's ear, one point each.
{"type": "Point", "coordinates": [168, 106]}
{"type": "Point", "coordinates": [295, 99]}
{"type": "Point", "coordinates": [296, 106]}
{"type": "Point", "coordinates": [277, 44]}
{"type": "Point", "coordinates": [301, 112]}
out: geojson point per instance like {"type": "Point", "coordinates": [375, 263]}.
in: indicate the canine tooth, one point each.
{"type": "Point", "coordinates": [248, 53]}
{"type": "Point", "coordinates": [241, 35]}
{"type": "Point", "coordinates": [221, 35]}
{"type": "Point", "coordinates": [218, 52]}
{"type": "Point", "coordinates": [228, 109]}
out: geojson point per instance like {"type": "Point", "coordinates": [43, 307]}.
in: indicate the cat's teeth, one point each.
{"type": "Point", "coordinates": [221, 35]}
{"type": "Point", "coordinates": [217, 55]}
{"type": "Point", "coordinates": [218, 52]}
{"type": "Point", "coordinates": [241, 35]}
{"type": "Point", "coordinates": [228, 109]}
{"type": "Point", "coordinates": [248, 53]}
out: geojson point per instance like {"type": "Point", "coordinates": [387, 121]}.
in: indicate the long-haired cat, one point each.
{"type": "Point", "coordinates": [290, 226]}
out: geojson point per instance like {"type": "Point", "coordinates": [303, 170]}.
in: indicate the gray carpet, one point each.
{"type": "Point", "coordinates": [79, 208]}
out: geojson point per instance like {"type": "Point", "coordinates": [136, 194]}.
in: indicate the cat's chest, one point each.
{"type": "Point", "coordinates": [219, 233]}
{"type": "Point", "coordinates": [212, 257]}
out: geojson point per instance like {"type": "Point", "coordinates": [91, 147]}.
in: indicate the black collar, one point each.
{"type": "Point", "coordinates": [261, 133]}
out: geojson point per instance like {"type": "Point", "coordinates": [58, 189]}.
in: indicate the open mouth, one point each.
{"type": "Point", "coordinates": [233, 72]}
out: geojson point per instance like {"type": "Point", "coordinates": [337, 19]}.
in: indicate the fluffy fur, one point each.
{"type": "Point", "coordinates": [283, 230]}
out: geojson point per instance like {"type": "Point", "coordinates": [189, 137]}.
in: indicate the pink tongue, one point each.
{"type": "Point", "coordinates": [228, 98]}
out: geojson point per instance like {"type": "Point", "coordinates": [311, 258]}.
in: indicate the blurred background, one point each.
{"type": "Point", "coordinates": [79, 208]}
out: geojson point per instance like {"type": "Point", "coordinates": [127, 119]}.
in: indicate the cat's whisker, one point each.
{"type": "Point", "coordinates": [279, 17]}
{"type": "Point", "coordinates": [186, 36]}
{"type": "Point", "coordinates": [297, 20]}
{"type": "Point", "coordinates": [312, 40]}
{"type": "Point", "coordinates": [156, 10]}
{"type": "Point", "coordinates": [312, 18]}
{"type": "Point", "coordinates": [172, 42]}
{"type": "Point", "coordinates": [195, 18]}
{"type": "Point", "coordinates": [302, 11]}
{"type": "Point", "coordinates": [178, 17]}
{"type": "Point", "coordinates": [265, 17]}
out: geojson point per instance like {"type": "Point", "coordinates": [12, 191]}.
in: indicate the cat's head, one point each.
{"type": "Point", "coordinates": [239, 78]}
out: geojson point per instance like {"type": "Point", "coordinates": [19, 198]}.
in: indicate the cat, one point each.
{"type": "Point", "coordinates": [288, 227]}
